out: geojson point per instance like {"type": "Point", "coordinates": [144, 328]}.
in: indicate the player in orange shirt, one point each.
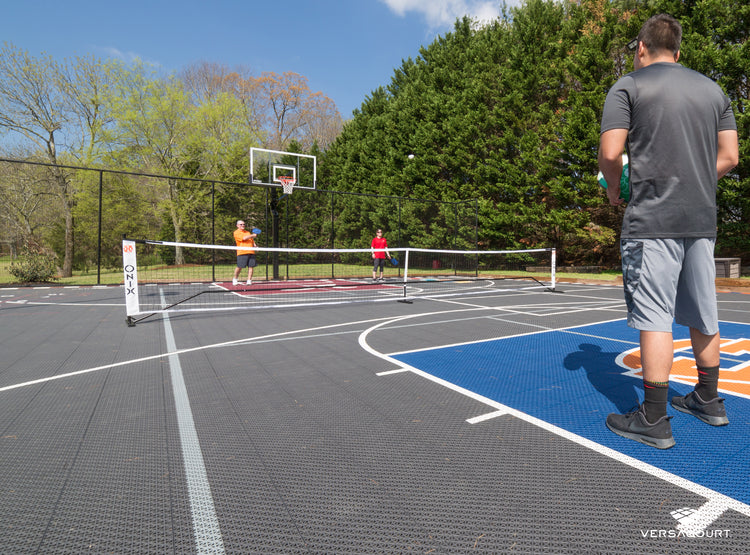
{"type": "Point", "coordinates": [245, 255]}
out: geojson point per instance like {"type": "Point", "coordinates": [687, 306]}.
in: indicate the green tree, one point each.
{"type": "Point", "coordinates": [27, 205]}
{"type": "Point", "coordinates": [53, 107]}
{"type": "Point", "coordinates": [151, 122]}
{"type": "Point", "coordinates": [509, 114]}
{"type": "Point", "coordinates": [227, 117]}
{"type": "Point", "coordinates": [161, 129]}
{"type": "Point", "coordinates": [715, 43]}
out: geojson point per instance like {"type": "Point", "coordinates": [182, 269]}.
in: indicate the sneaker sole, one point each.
{"type": "Point", "coordinates": [711, 420]}
{"type": "Point", "coordinates": [646, 440]}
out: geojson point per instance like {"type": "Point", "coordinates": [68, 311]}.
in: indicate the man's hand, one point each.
{"type": "Point", "coordinates": [613, 194]}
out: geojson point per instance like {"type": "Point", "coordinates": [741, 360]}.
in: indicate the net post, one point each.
{"type": "Point", "coordinates": [406, 274]}
{"type": "Point", "coordinates": [553, 262]}
{"type": "Point", "coordinates": [130, 273]}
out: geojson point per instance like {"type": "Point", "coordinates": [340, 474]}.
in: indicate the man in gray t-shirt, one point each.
{"type": "Point", "coordinates": [673, 116]}
{"type": "Point", "coordinates": [681, 137]}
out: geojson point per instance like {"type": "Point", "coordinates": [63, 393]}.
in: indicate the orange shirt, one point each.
{"type": "Point", "coordinates": [244, 239]}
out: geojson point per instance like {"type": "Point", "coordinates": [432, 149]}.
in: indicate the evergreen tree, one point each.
{"type": "Point", "coordinates": [509, 114]}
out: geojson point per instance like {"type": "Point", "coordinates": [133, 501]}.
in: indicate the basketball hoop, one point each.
{"type": "Point", "coordinates": [287, 183]}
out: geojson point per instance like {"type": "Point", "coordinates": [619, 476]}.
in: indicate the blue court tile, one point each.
{"type": "Point", "coordinates": [570, 378]}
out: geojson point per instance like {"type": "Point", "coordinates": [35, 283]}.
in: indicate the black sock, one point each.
{"type": "Point", "coordinates": [708, 383]}
{"type": "Point", "coordinates": [655, 402]}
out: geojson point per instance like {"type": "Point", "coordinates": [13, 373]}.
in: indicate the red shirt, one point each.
{"type": "Point", "coordinates": [379, 243]}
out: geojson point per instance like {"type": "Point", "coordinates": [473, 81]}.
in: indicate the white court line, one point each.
{"type": "Point", "coordinates": [62, 304]}
{"type": "Point", "coordinates": [234, 342]}
{"type": "Point", "coordinates": [716, 500]}
{"type": "Point", "coordinates": [717, 503]}
{"type": "Point", "coordinates": [487, 416]}
{"type": "Point", "coordinates": [239, 342]}
{"type": "Point", "coordinates": [544, 329]}
{"type": "Point", "coordinates": [206, 528]}
{"type": "Point", "coordinates": [242, 341]}
{"type": "Point", "coordinates": [560, 308]}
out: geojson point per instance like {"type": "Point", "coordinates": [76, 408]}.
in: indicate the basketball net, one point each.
{"type": "Point", "coordinates": [287, 183]}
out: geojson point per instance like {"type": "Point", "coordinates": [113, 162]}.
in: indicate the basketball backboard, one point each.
{"type": "Point", "coordinates": [269, 167]}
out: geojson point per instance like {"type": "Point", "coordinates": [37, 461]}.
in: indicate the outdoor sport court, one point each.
{"type": "Point", "coordinates": [454, 424]}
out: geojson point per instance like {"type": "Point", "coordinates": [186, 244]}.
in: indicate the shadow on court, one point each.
{"type": "Point", "coordinates": [606, 377]}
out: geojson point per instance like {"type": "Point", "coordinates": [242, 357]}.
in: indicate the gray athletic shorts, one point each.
{"type": "Point", "coordinates": [670, 279]}
{"type": "Point", "coordinates": [246, 261]}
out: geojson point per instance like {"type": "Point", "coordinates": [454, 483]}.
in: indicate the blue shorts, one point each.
{"type": "Point", "coordinates": [670, 279]}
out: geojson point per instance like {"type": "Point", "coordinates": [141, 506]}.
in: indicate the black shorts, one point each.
{"type": "Point", "coordinates": [246, 261]}
{"type": "Point", "coordinates": [378, 263]}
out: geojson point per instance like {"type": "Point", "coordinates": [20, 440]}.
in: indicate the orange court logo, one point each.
{"type": "Point", "coordinates": [734, 374]}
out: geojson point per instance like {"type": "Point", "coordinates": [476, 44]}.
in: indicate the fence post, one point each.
{"type": "Point", "coordinates": [213, 231]}
{"type": "Point", "coordinates": [333, 233]}
{"type": "Point", "coordinates": [99, 233]}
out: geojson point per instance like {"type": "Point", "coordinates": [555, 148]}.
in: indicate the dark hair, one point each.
{"type": "Point", "coordinates": [661, 32]}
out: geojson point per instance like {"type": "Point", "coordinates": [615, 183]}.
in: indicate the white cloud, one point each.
{"type": "Point", "coordinates": [127, 57]}
{"type": "Point", "coordinates": [113, 52]}
{"type": "Point", "coordinates": [443, 13]}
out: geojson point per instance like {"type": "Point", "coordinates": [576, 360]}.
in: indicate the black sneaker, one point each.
{"type": "Point", "coordinates": [634, 425]}
{"type": "Point", "coordinates": [711, 412]}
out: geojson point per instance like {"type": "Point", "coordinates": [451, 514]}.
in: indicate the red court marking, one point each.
{"type": "Point", "coordinates": [302, 286]}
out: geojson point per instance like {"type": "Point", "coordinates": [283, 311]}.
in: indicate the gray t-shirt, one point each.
{"type": "Point", "coordinates": [673, 116]}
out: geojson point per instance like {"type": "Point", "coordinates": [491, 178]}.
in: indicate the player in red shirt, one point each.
{"type": "Point", "coordinates": [378, 257]}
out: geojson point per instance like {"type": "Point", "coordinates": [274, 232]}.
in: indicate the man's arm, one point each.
{"type": "Point", "coordinates": [611, 146]}
{"type": "Point", "coordinates": [729, 152]}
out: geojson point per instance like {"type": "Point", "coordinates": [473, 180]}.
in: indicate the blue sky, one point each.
{"type": "Point", "coordinates": [345, 48]}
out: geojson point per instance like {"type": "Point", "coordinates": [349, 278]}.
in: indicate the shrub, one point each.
{"type": "Point", "coordinates": [34, 265]}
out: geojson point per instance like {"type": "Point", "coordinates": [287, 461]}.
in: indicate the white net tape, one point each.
{"type": "Point", "coordinates": [305, 277]}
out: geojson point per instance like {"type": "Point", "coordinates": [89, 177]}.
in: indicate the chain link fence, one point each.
{"type": "Point", "coordinates": [65, 224]}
